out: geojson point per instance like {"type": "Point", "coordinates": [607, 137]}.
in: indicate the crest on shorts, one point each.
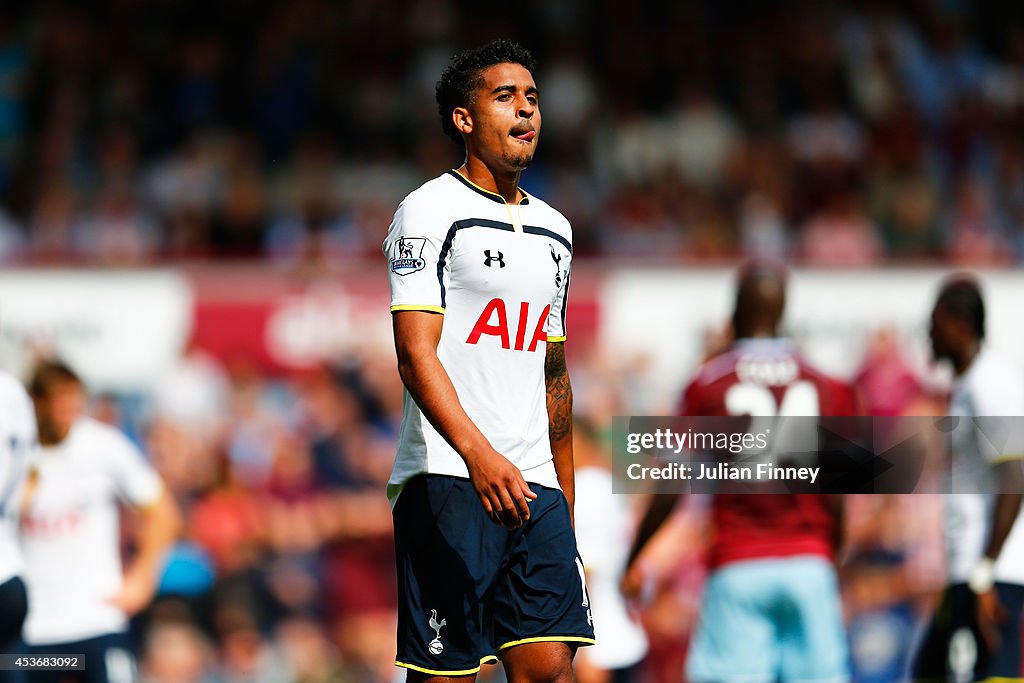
{"type": "Point", "coordinates": [435, 645]}
{"type": "Point", "coordinates": [406, 255]}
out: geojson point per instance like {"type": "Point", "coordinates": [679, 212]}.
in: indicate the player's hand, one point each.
{"type": "Point", "coordinates": [632, 583]}
{"type": "Point", "coordinates": [990, 615]}
{"type": "Point", "coordinates": [502, 490]}
{"type": "Point", "coordinates": [136, 592]}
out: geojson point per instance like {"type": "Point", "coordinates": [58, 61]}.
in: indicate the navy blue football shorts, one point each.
{"type": "Point", "coordinates": [469, 588]}
{"type": "Point", "coordinates": [953, 649]}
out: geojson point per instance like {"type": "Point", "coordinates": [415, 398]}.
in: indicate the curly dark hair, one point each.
{"type": "Point", "coordinates": [462, 76]}
{"type": "Point", "coordinates": [960, 297]}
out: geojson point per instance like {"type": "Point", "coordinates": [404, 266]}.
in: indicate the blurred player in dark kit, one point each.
{"type": "Point", "coordinates": [771, 608]}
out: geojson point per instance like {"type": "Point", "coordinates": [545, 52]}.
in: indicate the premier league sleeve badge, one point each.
{"type": "Point", "coordinates": [407, 255]}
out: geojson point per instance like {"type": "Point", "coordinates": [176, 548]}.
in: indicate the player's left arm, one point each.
{"type": "Point", "coordinates": [159, 527]}
{"type": "Point", "coordinates": [1007, 507]}
{"type": "Point", "coordinates": [139, 485]}
{"type": "Point", "coordinates": [1002, 439]}
{"type": "Point", "coordinates": [559, 401]}
{"type": "Point", "coordinates": [1008, 471]}
{"type": "Point", "coordinates": [990, 611]}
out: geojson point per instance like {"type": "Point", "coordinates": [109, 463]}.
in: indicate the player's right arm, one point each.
{"type": "Point", "coordinates": [20, 446]}
{"type": "Point", "coordinates": [1008, 471]}
{"type": "Point", "coordinates": [160, 524]}
{"type": "Point", "coordinates": [139, 485]}
{"type": "Point", "coordinates": [659, 509]}
{"type": "Point", "coordinates": [500, 485]}
{"type": "Point", "coordinates": [1001, 440]}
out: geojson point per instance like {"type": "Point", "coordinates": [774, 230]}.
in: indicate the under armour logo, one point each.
{"type": "Point", "coordinates": [500, 258]}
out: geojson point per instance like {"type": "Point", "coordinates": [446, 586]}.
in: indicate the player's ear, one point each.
{"type": "Point", "coordinates": [463, 120]}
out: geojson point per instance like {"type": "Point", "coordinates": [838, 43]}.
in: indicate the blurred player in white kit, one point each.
{"type": "Point", "coordinates": [17, 441]}
{"type": "Point", "coordinates": [80, 600]}
{"type": "Point", "coordinates": [976, 631]}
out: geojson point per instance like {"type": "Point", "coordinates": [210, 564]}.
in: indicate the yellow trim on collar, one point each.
{"type": "Point", "coordinates": [493, 194]}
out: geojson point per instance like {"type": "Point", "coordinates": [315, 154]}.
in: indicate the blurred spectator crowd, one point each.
{"type": "Point", "coordinates": [831, 133]}
{"type": "Point", "coordinates": [137, 132]}
{"type": "Point", "coordinates": [285, 572]}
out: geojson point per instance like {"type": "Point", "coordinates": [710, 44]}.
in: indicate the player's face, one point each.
{"type": "Point", "coordinates": [63, 404]}
{"type": "Point", "coordinates": [943, 333]}
{"type": "Point", "coordinates": [505, 117]}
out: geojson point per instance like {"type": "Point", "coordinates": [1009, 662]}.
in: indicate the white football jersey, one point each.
{"type": "Point", "coordinates": [499, 273]}
{"type": "Point", "coordinates": [604, 535]}
{"type": "Point", "coordinates": [17, 442]}
{"type": "Point", "coordinates": [70, 532]}
{"type": "Point", "coordinates": [990, 388]}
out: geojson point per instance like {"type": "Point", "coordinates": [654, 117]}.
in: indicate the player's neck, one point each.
{"type": "Point", "coordinates": [503, 183]}
{"type": "Point", "coordinates": [51, 434]}
{"type": "Point", "coordinates": [757, 333]}
{"type": "Point", "coordinates": [962, 362]}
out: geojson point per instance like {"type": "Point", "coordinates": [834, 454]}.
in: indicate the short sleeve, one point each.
{"type": "Point", "coordinates": [417, 249]}
{"type": "Point", "coordinates": [556, 316]}
{"type": "Point", "coordinates": [999, 424]}
{"type": "Point", "coordinates": [135, 480]}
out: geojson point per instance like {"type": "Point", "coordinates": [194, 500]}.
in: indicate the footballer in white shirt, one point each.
{"type": "Point", "coordinates": [483, 485]}
{"type": "Point", "coordinates": [975, 634]}
{"type": "Point", "coordinates": [80, 600]}
{"type": "Point", "coordinates": [17, 441]}
{"type": "Point", "coordinates": [604, 534]}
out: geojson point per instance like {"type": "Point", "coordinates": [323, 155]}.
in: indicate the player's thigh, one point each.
{"type": "Point", "coordinates": [40, 675]}
{"type": "Point", "coordinates": [110, 659]}
{"type": "Point", "coordinates": [13, 609]}
{"type": "Point", "coordinates": [541, 661]}
{"type": "Point", "coordinates": [541, 596]}
{"type": "Point", "coordinates": [735, 636]}
{"type": "Point", "coordinates": [106, 659]}
{"type": "Point", "coordinates": [1005, 660]}
{"type": "Point", "coordinates": [447, 557]}
{"type": "Point", "coordinates": [954, 647]}
{"type": "Point", "coordinates": [810, 623]}
{"type": "Point", "coordinates": [931, 660]}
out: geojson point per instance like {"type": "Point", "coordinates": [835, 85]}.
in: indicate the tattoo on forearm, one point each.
{"type": "Point", "coordinates": [559, 393]}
